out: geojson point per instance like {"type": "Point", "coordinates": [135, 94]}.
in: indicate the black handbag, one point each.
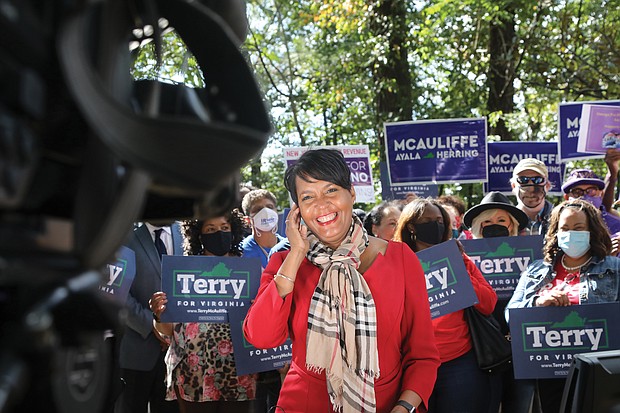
{"type": "Point", "coordinates": [491, 346]}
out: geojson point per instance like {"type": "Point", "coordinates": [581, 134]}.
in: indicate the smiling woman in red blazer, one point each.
{"type": "Point", "coordinates": [355, 307]}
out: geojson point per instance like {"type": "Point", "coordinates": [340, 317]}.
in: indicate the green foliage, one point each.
{"type": "Point", "coordinates": [326, 65]}
{"type": "Point", "coordinates": [175, 63]}
{"type": "Point", "coordinates": [320, 59]}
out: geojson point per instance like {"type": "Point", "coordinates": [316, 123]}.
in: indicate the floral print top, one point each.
{"type": "Point", "coordinates": [200, 361]}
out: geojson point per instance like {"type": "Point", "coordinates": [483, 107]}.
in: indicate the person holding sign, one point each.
{"type": "Point", "coordinates": [354, 306]}
{"type": "Point", "coordinates": [576, 269]}
{"type": "Point", "coordinates": [496, 216]}
{"type": "Point", "coordinates": [201, 372]}
{"type": "Point", "coordinates": [461, 385]}
{"type": "Point", "coordinates": [530, 184]}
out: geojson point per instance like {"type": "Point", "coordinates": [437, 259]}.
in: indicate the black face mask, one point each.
{"type": "Point", "coordinates": [217, 243]}
{"type": "Point", "coordinates": [495, 230]}
{"type": "Point", "coordinates": [429, 232]}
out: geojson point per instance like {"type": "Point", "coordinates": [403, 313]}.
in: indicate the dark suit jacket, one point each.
{"type": "Point", "coordinates": [139, 349]}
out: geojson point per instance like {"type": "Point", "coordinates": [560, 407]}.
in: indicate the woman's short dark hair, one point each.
{"type": "Point", "coordinates": [600, 240]}
{"type": "Point", "coordinates": [320, 164]}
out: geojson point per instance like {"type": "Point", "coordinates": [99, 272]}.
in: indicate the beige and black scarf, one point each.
{"type": "Point", "coordinates": [342, 324]}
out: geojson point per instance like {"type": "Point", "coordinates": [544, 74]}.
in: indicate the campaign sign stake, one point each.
{"type": "Point", "coordinates": [501, 260]}
{"type": "Point", "coordinates": [249, 359]}
{"type": "Point", "coordinates": [544, 339]}
{"type": "Point", "coordinates": [120, 275]}
{"type": "Point", "coordinates": [448, 284]}
{"type": "Point", "coordinates": [203, 288]}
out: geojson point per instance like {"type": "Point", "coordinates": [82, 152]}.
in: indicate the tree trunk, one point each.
{"type": "Point", "coordinates": [391, 72]}
{"type": "Point", "coordinates": [502, 61]}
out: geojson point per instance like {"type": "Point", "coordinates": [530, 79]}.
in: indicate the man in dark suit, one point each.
{"type": "Point", "coordinates": [141, 353]}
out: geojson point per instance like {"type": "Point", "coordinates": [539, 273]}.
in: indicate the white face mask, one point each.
{"type": "Point", "coordinates": [266, 220]}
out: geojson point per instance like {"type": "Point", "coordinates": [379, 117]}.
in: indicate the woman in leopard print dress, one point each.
{"type": "Point", "coordinates": [201, 368]}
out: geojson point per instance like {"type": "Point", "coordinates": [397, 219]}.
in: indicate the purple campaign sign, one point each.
{"type": "Point", "coordinates": [121, 274]}
{"type": "Point", "coordinates": [569, 115]}
{"type": "Point", "coordinates": [436, 151]}
{"type": "Point", "coordinates": [501, 260]}
{"type": "Point", "coordinates": [391, 192]}
{"type": "Point", "coordinates": [599, 129]}
{"type": "Point", "coordinates": [249, 359]}
{"type": "Point", "coordinates": [448, 284]}
{"type": "Point", "coordinates": [504, 156]}
{"type": "Point", "coordinates": [203, 288]}
{"type": "Point", "coordinates": [544, 339]}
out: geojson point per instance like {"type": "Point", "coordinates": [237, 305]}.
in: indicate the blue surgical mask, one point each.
{"type": "Point", "coordinates": [455, 233]}
{"type": "Point", "coordinates": [574, 243]}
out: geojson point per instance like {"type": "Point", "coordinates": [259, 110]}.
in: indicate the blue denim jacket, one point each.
{"type": "Point", "coordinates": [599, 282]}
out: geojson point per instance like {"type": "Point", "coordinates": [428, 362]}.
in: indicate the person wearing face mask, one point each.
{"type": "Point", "coordinates": [461, 386]}
{"type": "Point", "coordinates": [260, 206]}
{"type": "Point", "coordinates": [576, 270]}
{"type": "Point", "coordinates": [496, 216]}
{"type": "Point", "coordinates": [200, 376]}
{"type": "Point", "coordinates": [585, 184]}
{"type": "Point", "coordinates": [530, 184]}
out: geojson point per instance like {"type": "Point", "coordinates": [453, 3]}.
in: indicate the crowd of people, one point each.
{"type": "Point", "coordinates": [346, 286]}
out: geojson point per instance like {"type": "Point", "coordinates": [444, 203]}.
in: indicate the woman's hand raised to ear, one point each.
{"type": "Point", "coordinates": [296, 232]}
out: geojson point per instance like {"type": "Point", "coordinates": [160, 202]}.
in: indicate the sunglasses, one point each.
{"type": "Point", "coordinates": [578, 192]}
{"type": "Point", "coordinates": [531, 180]}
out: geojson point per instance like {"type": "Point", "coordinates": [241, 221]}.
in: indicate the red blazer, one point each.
{"type": "Point", "coordinates": [408, 356]}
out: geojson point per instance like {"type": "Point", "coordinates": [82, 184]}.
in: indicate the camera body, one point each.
{"type": "Point", "coordinates": [85, 152]}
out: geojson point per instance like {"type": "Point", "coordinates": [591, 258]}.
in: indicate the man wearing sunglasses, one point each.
{"type": "Point", "coordinates": [530, 184]}
{"type": "Point", "coordinates": [585, 184]}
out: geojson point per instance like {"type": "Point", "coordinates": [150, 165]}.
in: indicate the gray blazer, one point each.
{"type": "Point", "coordinates": [139, 349]}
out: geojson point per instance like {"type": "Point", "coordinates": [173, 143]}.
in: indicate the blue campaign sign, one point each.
{"type": "Point", "coordinates": [392, 192]}
{"type": "Point", "coordinates": [249, 359]}
{"type": "Point", "coordinates": [448, 284]}
{"type": "Point", "coordinates": [501, 260]}
{"type": "Point", "coordinates": [203, 288]}
{"type": "Point", "coordinates": [504, 156]}
{"type": "Point", "coordinates": [436, 151]}
{"type": "Point", "coordinates": [121, 274]}
{"type": "Point", "coordinates": [569, 119]}
{"type": "Point", "coordinates": [544, 339]}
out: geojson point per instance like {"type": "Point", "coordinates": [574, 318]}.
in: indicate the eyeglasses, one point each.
{"type": "Point", "coordinates": [531, 180]}
{"type": "Point", "coordinates": [578, 192]}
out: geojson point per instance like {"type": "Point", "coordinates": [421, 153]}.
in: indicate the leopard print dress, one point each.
{"type": "Point", "coordinates": [200, 362]}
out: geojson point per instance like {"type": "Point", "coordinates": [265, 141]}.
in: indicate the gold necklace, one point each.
{"type": "Point", "coordinates": [567, 268]}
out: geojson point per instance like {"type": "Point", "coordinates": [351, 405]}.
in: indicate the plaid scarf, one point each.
{"type": "Point", "coordinates": [342, 324]}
